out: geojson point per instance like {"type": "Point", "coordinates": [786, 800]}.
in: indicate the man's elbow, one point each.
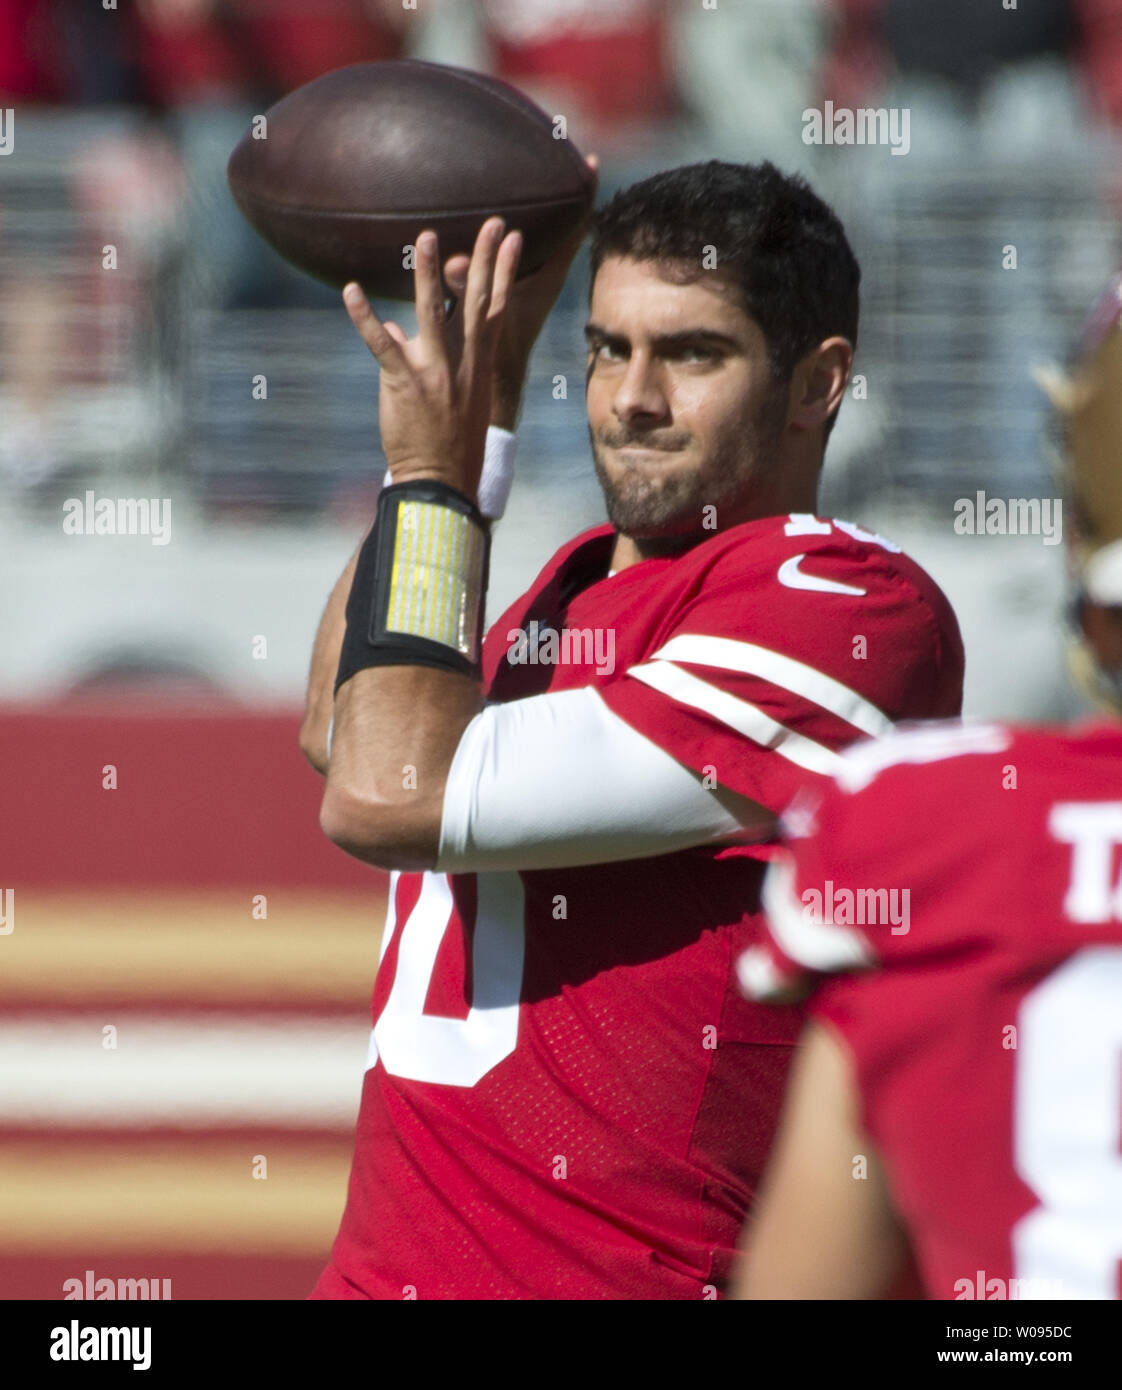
{"type": "Point", "coordinates": [386, 835]}
{"type": "Point", "coordinates": [313, 744]}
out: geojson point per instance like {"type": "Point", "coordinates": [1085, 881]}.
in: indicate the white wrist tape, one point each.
{"type": "Point", "coordinates": [498, 472]}
{"type": "Point", "coordinates": [497, 477]}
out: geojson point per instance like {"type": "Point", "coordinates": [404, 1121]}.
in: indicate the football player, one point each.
{"type": "Point", "coordinates": [566, 1094]}
{"type": "Point", "coordinates": [954, 899]}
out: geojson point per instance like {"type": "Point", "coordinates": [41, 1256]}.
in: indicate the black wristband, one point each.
{"type": "Point", "coordinates": [419, 583]}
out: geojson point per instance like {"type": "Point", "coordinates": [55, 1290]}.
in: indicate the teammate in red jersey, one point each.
{"type": "Point", "coordinates": [956, 897]}
{"type": "Point", "coordinates": [566, 1095]}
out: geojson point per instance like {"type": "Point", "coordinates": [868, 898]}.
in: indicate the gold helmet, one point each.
{"type": "Point", "coordinates": [1088, 401]}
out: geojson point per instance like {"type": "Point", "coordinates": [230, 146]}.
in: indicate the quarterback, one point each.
{"type": "Point", "coordinates": [973, 1061]}
{"type": "Point", "coordinates": [566, 1094]}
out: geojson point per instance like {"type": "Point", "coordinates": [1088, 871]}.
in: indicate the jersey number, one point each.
{"type": "Point", "coordinates": [1067, 1125]}
{"type": "Point", "coordinates": [454, 1051]}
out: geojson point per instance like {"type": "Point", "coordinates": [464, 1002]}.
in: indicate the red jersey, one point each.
{"type": "Point", "coordinates": [974, 881]}
{"type": "Point", "coordinates": [568, 1097]}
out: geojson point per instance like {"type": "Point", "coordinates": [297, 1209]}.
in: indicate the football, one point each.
{"type": "Point", "coordinates": [342, 174]}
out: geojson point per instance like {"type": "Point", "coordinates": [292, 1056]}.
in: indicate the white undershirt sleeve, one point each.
{"type": "Point", "coordinates": [558, 780]}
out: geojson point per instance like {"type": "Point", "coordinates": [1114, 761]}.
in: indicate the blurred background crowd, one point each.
{"type": "Point", "coordinates": [161, 835]}
{"type": "Point", "coordinates": [126, 116]}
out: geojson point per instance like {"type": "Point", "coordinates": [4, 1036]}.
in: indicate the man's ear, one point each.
{"type": "Point", "coordinates": [818, 383]}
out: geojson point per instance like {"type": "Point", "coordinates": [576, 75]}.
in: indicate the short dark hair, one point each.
{"type": "Point", "coordinates": [774, 237]}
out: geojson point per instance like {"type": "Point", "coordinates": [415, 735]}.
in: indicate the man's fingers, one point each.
{"type": "Point", "coordinates": [385, 346]}
{"type": "Point", "coordinates": [506, 271]}
{"type": "Point", "coordinates": [481, 274]}
{"type": "Point", "coordinates": [456, 273]}
{"type": "Point", "coordinates": [429, 294]}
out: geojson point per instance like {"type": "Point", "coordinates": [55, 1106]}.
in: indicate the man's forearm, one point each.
{"type": "Point", "coordinates": [396, 732]}
{"type": "Point", "coordinates": [324, 667]}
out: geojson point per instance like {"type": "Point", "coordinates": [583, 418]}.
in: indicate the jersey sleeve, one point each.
{"type": "Point", "coordinates": [804, 941]}
{"type": "Point", "coordinates": [863, 864]}
{"type": "Point", "coordinates": [766, 674]}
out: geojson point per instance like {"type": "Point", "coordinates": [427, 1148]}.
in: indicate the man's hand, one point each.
{"type": "Point", "coordinates": [434, 398]}
{"type": "Point", "coordinates": [528, 307]}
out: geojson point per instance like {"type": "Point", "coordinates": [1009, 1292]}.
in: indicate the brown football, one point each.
{"type": "Point", "coordinates": [353, 165]}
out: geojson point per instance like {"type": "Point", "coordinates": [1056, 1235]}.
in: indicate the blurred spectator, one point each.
{"type": "Point", "coordinates": [603, 66]}
{"type": "Point", "coordinates": [1100, 52]}
{"type": "Point", "coordinates": [35, 318]}
{"type": "Point", "coordinates": [29, 59]}
{"type": "Point", "coordinates": [78, 327]}
{"type": "Point", "coordinates": [230, 50]}
{"type": "Point", "coordinates": [747, 72]}
{"type": "Point", "coordinates": [968, 44]}
{"type": "Point", "coordinates": [213, 64]}
{"type": "Point", "coordinates": [857, 63]}
{"type": "Point", "coordinates": [67, 51]}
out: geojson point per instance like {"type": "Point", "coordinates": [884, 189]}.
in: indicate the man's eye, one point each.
{"type": "Point", "coordinates": [610, 352]}
{"type": "Point", "coordinates": [697, 354]}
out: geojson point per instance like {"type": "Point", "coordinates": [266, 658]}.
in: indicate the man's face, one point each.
{"type": "Point", "coordinates": [683, 411]}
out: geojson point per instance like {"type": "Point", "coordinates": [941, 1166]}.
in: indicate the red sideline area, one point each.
{"type": "Point", "coordinates": [203, 797]}
{"type": "Point", "coordinates": [208, 796]}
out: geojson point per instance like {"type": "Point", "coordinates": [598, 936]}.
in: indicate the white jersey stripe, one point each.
{"type": "Point", "coordinates": [926, 744]}
{"type": "Point", "coordinates": [780, 670]}
{"type": "Point", "coordinates": [759, 977]}
{"type": "Point", "coordinates": [746, 719]}
{"type": "Point", "coordinates": [819, 946]}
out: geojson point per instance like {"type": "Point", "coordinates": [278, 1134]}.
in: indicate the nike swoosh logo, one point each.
{"type": "Point", "coordinates": [794, 578]}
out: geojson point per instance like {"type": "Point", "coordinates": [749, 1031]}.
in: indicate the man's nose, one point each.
{"type": "Point", "coordinates": [640, 394]}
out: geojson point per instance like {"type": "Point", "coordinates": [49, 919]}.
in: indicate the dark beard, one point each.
{"type": "Point", "coordinates": [642, 506]}
{"type": "Point", "coordinates": [666, 514]}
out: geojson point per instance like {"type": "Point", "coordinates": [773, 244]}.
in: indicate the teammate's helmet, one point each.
{"type": "Point", "coordinates": [1089, 404]}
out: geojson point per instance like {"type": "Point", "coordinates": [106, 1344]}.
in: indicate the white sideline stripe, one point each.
{"type": "Point", "coordinates": [784, 671]}
{"type": "Point", "coordinates": [215, 1070]}
{"type": "Point", "coordinates": [737, 714]}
